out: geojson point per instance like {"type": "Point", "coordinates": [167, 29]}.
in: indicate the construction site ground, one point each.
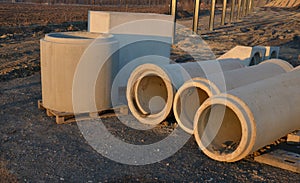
{"type": "Point", "coordinates": [33, 148]}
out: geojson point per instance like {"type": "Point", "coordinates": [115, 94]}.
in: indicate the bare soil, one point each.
{"type": "Point", "coordinates": [284, 3]}
{"type": "Point", "coordinates": [35, 149]}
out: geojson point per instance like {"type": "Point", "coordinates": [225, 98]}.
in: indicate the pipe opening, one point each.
{"type": "Point", "coordinates": [152, 95]}
{"type": "Point", "coordinates": [256, 59]}
{"type": "Point", "coordinates": [75, 35]}
{"type": "Point", "coordinates": [219, 129]}
{"type": "Point", "coordinates": [188, 103]}
{"type": "Point", "coordinates": [273, 55]}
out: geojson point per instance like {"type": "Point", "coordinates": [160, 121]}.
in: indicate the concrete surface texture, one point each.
{"type": "Point", "coordinates": [135, 50]}
{"type": "Point", "coordinates": [193, 93]}
{"type": "Point", "coordinates": [230, 126]}
{"type": "Point", "coordinates": [151, 87]}
{"type": "Point", "coordinates": [248, 55]}
{"type": "Point", "coordinates": [139, 35]}
{"type": "Point", "coordinates": [60, 56]}
{"type": "Point", "coordinates": [105, 22]}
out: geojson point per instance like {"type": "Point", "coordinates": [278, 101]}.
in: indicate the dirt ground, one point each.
{"type": "Point", "coordinates": [35, 149]}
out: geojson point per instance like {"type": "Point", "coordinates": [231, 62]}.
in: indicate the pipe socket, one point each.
{"type": "Point", "coordinates": [151, 87]}
{"type": "Point", "coordinates": [193, 93]}
{"type": "Point", "coordinates": [228, 127]}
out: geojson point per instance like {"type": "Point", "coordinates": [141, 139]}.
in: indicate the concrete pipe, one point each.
{"type": "Point", "coordinates": [192, 94]}
{"type": "Point", "coordinates": [249, 117]}
{"type": "Point", "coordinates": [271, 52]}
{"type": "Point", "coordinates": [60, 55]}
{"type": "Point", "coordinates": [248, 55]}
{"type": "Point", "coordinates": [151, 87]}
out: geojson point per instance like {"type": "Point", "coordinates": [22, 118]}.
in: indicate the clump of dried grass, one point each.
{"type": "Point", "coordinates": [5, 175]}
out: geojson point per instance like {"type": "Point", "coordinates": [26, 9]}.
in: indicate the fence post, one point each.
{"type": "Point", "coordinates": [224, 12]}
{"type": "Point", "coordinates": [173, 8]}
{"type": "Point", "coordinates": [212, 15]}
{"type": "Point", "coordinates": [239, 9]}
{"type": "Point", "coordinates": [244, 8]}
{"type": "Point", "coordinates": [247, 7]}
{"type": "Point", "coordinates": [232, 10]}
{"type": "Point", "coordinates": [196, 15]}
{"type": "Point", "coordinates": [251, 5]}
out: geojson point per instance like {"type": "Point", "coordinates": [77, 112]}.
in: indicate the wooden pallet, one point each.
{"type": "Point", "coordinates": [294, 138]}
{"type": "Point", "coordinates": [64, 117]}
{"type": "Point", "coordinates": [281, 159]}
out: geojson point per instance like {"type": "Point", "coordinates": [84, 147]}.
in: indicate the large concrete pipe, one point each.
{"type": "Point", "coordinates": [193, 93]}
{"type": "Point", "coordinates": [151, 87]}
{"type": "Point", "coordinates": [60, 55]}
{"type": "Point", "coordinates": [248, 55]}
{"type": "Point", "coordinates": [231, 126]}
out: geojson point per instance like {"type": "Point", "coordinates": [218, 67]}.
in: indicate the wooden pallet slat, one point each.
{"type": "Point", "coordinates": [281, 159]}
{"type": "Point", "coordinates": [294, 138]}
{"type": "Point", "coordinates": [40, 104]}
{"type": "Point", "coordinates": [64, 118]}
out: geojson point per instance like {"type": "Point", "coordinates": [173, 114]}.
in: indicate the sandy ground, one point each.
{"type": "Point", "coordinates": [283, 3]}
{"type": "Point", "coordinates": [265, 26]}
{"type": "Point", "coordinates": [35, 149]}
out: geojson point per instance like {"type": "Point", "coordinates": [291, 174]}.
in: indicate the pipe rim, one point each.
{"type": "Point", "coordinates": [246, 118]}
{"type": "Point", "coordinates": [256, 58]}
{"type": "Point", "coordinates": [281, 63]}
{"type": "Point", "coordinates": [134, 79]}
{"type": "Point", "coordinates": [273, 54]}
{"type": "Point", "coordinates": [78, 37]}
{"type": "Point", "coordinates": [296, 68]}
{"type": "Point", "coordinates": [198, 83]}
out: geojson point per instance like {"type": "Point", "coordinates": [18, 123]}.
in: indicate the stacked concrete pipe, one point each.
{"type": "Point", "coordinates": [248, 55]}
{"type": "Point", "coordinates": [271, 52]}
{"type": "Point", "coordinates": [193, 93]}
{"type": "Point", "coordinates": [230, 126]}
{"type": "Point", "coordinates": [60, 56]}
{"type": "Point", "coordinates": [151, 87]}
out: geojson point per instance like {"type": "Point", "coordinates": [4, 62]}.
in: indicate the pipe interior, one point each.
{"type": "Point", "coordinates": [188, 103]}
{"type": "Point", "coordinates": [152, 94]}
{"type": "Point", "coordinates": [219, 129]}
{"type": "Point", "coordinates": [273, 55]}
{"type": "Point", "coordinates": [75, 35]}
{"type": "Point", "coordinates": [255, 59]}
